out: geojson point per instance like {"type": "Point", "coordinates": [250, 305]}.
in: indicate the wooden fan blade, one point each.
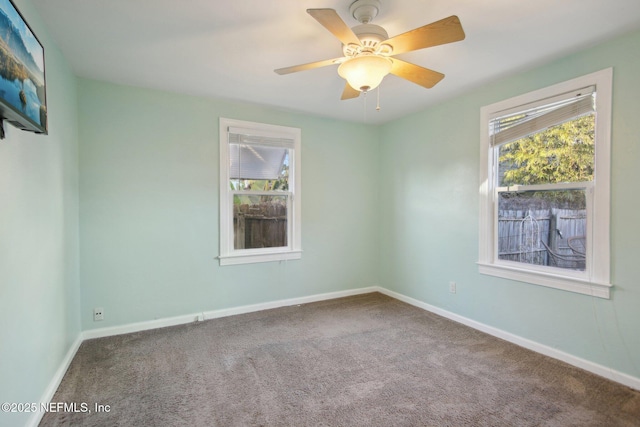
{"type": "Point", "coordinates": [416, 74]}
{"type": "Point", "coordinates": [349, 92]}
{"type": "Point", "coordinates": [330, 19]}
{"type": "Point", "coordinates": [446, 30]}
{"type": "Point", "coordinates": [309, 66]}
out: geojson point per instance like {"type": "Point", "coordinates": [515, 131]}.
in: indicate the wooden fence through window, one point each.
{"type": "Point", "coordinates": [259, 225]}
{"type": "Point", "coordinates": [553, 237]}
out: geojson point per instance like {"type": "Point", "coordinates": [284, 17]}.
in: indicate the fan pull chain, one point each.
{"type": "Point", "coordinates": [365, 106]}
{"type": "Point", "coordinates": [378, 105]}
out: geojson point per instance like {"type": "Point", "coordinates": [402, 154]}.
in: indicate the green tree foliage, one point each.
{"type": "Point", "coordinates": [563, 153]}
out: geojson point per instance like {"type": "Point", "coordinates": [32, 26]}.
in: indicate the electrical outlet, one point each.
{"type": "Point", "coordinates": [98, 314]}
{"type": "Point", "coordinates": [452, 287]}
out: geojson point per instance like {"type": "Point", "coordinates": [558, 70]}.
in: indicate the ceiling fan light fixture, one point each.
{"type": "Point", "coordinates": [365, 72]}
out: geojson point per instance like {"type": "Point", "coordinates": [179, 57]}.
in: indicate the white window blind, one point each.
{"type": "Point", "coordinates": [256, 156]}
{"type": "Point", "coordinates": [248, 136]}
{"type": "Point", "coordinates": [535, 118]}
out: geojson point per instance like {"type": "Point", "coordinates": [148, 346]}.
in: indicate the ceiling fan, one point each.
{"type": "Point", "coordinates": [369, 53]}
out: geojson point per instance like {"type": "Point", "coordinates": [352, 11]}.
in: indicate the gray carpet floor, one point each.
{"type": "Point", "coordinates": [367, 360]}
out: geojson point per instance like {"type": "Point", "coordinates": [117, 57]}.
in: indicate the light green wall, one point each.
{"type": "Point", "coordinates": [149, 207]}
{"type": "Point", "coordinates": [429, 165]}
{"type": "Point", "coordinates": [39, 282]}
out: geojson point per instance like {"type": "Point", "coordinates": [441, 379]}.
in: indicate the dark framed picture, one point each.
{"type": "Point", "coordinates": [22, 78]}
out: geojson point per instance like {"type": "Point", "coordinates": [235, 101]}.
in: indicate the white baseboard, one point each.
{"type": "Point", "coordinates": [214, 314]}
{"type": "Point", "coordinates": [603, 371]}
{"type": "Point", "coordinates": [139, 326]}
{"type": "Point", "coordinates": [287, 302]}
{"type": "Point", "coordinates": [51, 389]}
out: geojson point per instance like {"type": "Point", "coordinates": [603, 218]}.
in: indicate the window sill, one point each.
{"type": "Point", "coordinates": [251, 258]}
{"type": "Point", "coordinates": [549, 280]}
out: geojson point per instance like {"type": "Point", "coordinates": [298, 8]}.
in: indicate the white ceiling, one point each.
{"type": "Point", "coordinates": [229, 49]}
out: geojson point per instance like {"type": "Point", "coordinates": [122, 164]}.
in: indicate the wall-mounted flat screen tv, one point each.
{"type": "Point", "coordinates": [22, 82]}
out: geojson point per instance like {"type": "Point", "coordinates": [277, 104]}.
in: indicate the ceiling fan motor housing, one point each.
{"type": "Point", "coordinates": [370, 36]}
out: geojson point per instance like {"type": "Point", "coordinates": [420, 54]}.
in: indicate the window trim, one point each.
{"type": "Point", "coordinates": [595, 280]}
{"type": "Point", "coordinates": [293, 250]}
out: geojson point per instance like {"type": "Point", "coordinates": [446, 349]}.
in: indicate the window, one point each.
{"type": "Point", "coordinates": [544, 186]}
{"type": "Point", "coordinates": [259, 192]}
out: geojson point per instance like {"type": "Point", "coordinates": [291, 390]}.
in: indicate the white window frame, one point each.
{"type": "Point", "coordinates": [595, 280]}
{"type": "Point", "coordinates": [228, 254]}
